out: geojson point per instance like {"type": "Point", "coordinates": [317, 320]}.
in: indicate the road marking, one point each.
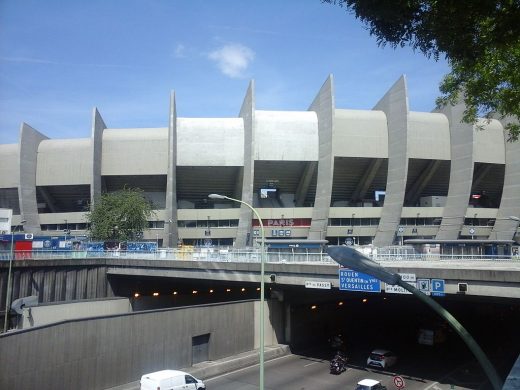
{"type": "Point", "coordinates": [313, 360]}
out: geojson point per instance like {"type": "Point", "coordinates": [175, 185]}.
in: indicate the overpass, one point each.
{"type": "Point", "coordinates": [55, 279]}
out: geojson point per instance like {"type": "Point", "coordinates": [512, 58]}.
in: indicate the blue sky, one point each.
{"type": "Point", "coordinates": [59, 59]}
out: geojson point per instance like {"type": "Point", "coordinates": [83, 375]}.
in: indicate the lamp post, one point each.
{"type": "Point", "coordinates": [262, 271]}
{"type": "Point", "coordinates": [8, 290]}
{"type": "Point", "coordinates": [349, 257]}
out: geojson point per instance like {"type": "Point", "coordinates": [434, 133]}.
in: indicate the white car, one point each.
{"type": "Point", "coordinates": [171, 380]}
{"type": "Point", "coordinates": [381, 358]}
{"type": "Point", "coordinates": [370, 384]}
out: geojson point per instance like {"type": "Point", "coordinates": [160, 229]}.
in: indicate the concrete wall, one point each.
{"type": "Point", "coordinates": [489, 141]}
{"type": "Point", "coordinates": [428, 136]}
{"type": "Point", "coordinates": [99, 353]}
{"type": "Point", "coordinates": [286, 136]}
{"type": "Point", "coordinates": [9, 166]}
{"type": "Point", "coordinates": [54, 283]}
{"type": "Point", "coordinates": [210, 142]}
{"type": "Point", "coordinates": [64, 162]}
{"type": "Point", "coordinates": [135, 151]}
{"type": "Point", "coordinates": [49, 314]}
{"type": "Point", "coordinates": [359, 133]}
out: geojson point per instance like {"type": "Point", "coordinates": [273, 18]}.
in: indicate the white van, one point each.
{"type": "Point", "coordinates": [170, 380]}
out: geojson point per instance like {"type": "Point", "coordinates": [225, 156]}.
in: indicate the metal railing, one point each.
{"type": "Point", "coordinates": [243, 256]}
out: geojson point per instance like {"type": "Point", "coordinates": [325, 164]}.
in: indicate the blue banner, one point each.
{"type": "Point", "coordinates": [357, 281]}
{"type": "Point", "coordinates": [143, 246]}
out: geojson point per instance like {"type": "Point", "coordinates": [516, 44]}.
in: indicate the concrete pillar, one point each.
{"type": "Point", "coordinates": [505, 228]}
{"type": "Point", "coordinates": [171, 227]}
{"type": "Point", "coordinates": [29, 141]}
{"type": "Point", "coordinates": [324, 106]}
{"type": "Point", "coordinates": [461, 172]}
{"type": "Point", "coordinates": [247, 113]}
{"type": "Point", "coordinates": [98, 126]}
{"type": "Point", "coordinates": [395, 106]}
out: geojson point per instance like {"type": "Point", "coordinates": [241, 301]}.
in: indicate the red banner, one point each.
{"type": "Point", "coordinates": [284, 222]}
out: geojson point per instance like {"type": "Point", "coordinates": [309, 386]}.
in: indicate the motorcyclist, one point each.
{"type": "Point", "coordinates": [338, 364]}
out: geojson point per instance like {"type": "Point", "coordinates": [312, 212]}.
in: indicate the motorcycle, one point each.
{"type": "Point", "coordinates": [338, 364]}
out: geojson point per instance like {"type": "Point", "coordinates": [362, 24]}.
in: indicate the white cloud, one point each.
{"type": "Point", "coordinates": [232, 59]}
{"type": "Point", "coordinates": [179, 51]}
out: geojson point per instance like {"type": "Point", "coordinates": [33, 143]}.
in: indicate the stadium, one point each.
{"type": "Point", "coordinates": [377, 177]}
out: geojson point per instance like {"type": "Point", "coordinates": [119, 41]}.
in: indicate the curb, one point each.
{"type": "Point", "coordinates": [207, 370]}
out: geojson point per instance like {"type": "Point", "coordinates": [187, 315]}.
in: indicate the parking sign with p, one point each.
{"type": "Point", "coordinates": [437, 287]}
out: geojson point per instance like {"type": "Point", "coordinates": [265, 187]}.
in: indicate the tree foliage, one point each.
{"type": "Point", "coordinates": [480, 39]}
{"type": "Point", "coordinates": [121, 215]}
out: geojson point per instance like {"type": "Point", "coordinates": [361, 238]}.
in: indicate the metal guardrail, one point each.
{"type": "Point", "coordinates": [240, 256]}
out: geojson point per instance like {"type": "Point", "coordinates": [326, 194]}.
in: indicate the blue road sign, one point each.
{"type": "Point", "coordinates": [357, 281]}
{"type": "Point", "coordinates": [437, 287]}
{"type": "Point", "coordinates": [424, 285]}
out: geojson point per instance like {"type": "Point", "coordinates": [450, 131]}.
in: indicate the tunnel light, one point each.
{"type": "Point", "coordinates": [137, 295]}
{"type": "Point", "coordinates": [194, 292]}
{"type": "Point", "coordinates": [155, 294]}
{"type": "Point", "coordinates": [365, 300]}
{"type": "Point", "coordinates": [314, 307]}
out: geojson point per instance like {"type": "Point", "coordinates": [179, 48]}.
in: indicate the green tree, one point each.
{"type": "Point", "coordinates": [480, 39]}
{"type": "Point", "coordinates": [120, 215]}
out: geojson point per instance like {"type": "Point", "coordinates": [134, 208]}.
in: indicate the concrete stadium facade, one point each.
{"type": "Point", "coordinates": [369, 176]}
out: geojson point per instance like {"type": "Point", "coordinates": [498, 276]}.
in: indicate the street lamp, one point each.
{"type": "Point", "coordinates": [349, 257]}
{"type": "Point", "coordinates": [262, 271]}
{"type": "Point", "coordinates": [8, 290]}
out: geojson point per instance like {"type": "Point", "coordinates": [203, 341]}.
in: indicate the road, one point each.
{"type": "Point", "coordinates": [299, 372]}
